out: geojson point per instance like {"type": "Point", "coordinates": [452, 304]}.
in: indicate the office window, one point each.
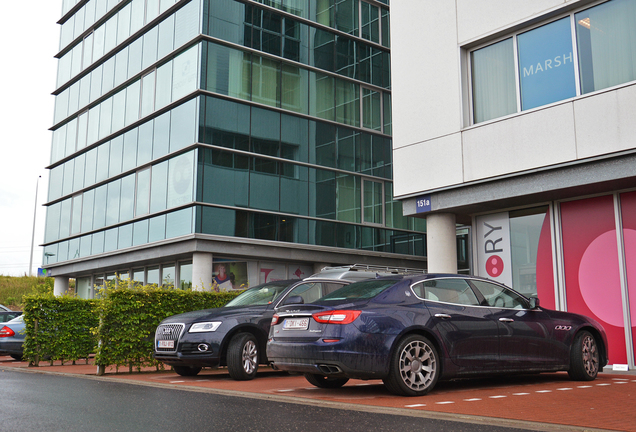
{"type": "Point", "coordinates": [546, 66]}
{"type": "Point", "coordinates": [606, 42]}
{"type": "Point", "coordinates": [493, 80]}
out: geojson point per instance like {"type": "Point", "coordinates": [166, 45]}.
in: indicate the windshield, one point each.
{"type": "Point", "coordinates": [360, 290]}
{"type": "Point", "coordinates": [259, 295]}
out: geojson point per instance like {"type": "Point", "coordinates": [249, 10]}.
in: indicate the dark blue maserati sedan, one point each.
{"type": "Point", "coordinates": [411, 331]}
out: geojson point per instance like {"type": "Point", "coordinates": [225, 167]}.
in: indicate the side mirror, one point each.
{"type": "Point", "coordinates": [534, 302]}
{"type": "Point", "coordinates": [293, 300]}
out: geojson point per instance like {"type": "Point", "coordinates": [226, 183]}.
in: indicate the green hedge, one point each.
{"type": "Point", "coordinates": [59, 328]}
{"type": "Point", "coordinates": [118, 328]}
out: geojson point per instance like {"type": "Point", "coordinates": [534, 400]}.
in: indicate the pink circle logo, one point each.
{"type": "Point", "coordinates": [494, 266]}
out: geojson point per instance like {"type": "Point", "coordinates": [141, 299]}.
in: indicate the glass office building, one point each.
{"type": "Point", "coordinates": [198, 134]}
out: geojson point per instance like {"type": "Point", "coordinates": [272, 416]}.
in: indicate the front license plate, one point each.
{"type": "Point", "coordinates": [165, 344]}
{"type": "Point", "coordinates": [296, 324]}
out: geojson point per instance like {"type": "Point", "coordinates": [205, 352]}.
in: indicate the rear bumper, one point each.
{"type": "Point", "coordinates": [332, 359]}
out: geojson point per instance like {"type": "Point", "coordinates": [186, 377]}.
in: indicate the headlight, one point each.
{"type": "Point", "coordinates": [204, 327]}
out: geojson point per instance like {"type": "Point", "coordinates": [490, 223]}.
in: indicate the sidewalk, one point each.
{"type": "Point", "coordinates": [549, 402]}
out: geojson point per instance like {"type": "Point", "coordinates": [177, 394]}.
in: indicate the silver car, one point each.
{"type": "Point", "coordinates": [12, 335]}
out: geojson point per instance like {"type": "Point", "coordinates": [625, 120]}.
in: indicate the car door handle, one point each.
{"type": "Point", "coordinates": [506, 320]}
{"type": "Point", "coordinates": [443, 316]}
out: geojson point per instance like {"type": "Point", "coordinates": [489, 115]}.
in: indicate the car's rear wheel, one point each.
{"type": "Point", "coordinates": [242, 357]}
{"type": "Point", "coordinates": [414, 368]}
{"type": "Point", "coordinates": [187, 370]}
{"type": "Point", "coordinates": [323, 381]}
{"type": "Point", "coordinates": [17, 357]}
{"type": "Point", "coordinates": [584, 357]}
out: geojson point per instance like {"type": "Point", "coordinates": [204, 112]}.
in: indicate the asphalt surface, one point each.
{"type": "Point", "coordinates": [549, 402]}
{"type": "Point", "coordinates": [49, 402]}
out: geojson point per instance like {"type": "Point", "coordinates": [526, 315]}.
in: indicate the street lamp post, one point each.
{"type": "Point", "coordinates": [37, 183]}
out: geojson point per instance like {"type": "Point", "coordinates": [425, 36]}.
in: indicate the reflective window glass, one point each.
{"type": "Point", "coordinates": [103, 159]}
{"type": "Point", "coordinates": [130, 149]}
{"type": "Point", "coordinates": [126, 208]}
{"type": "Point", "coordinates": [179, 223]}
{"type": "Point", "coordinates": [185, 275]}
{"type": "Point", "coordinates": [185, 73]}
{"type": "Point", "coordinates": [606, 41]}
{"type": "Point", "coordinates": [65, 218]}
{"type": "Point", "coordinates": [546, 64]}
{"type": "Point", "coordinates": [159, 187]}
{"type": "Point", "coordinates": [157, 229]}
{"type": "Point", "coordinates": [112, 202]}
{"type": "Point", "coordinates": [116, 153]}
{"type": "Point", "coordinates": [144, 143]}
{"type": "Point", "coordinates": [87, 210]}
{"type": "Point", "coordinates": [140, 232]}
{"type": "Point", "coordinates": [183, 125]}
{"type": "Point", "coordinates": [142, 196]}
{"type": "Point", "coordinates": [99, 215]}
{"type": "Point", "coordinates": [124, 238]}
{"type": "Point", "coordinates": [493, 81]}
{"type": "Point", "coordinates": [180, 180]}
{"type": "Point", "coordinates": [161, 140]}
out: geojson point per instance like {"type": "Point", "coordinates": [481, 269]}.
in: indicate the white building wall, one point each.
{"type": "Point", "coordinates": [434, 144]}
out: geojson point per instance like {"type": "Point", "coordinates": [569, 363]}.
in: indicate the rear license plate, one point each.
{"type": "Point", "coordinates": [165, 344]}
{"type": "Point", "coordinates": [296, 324]}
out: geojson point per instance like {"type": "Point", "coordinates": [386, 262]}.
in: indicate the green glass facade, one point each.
{"type": "Point", "coordinates": [265, 120]}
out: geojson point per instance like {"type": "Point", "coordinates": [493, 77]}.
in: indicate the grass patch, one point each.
{"type": "Point", "coordinates": [13, 289]}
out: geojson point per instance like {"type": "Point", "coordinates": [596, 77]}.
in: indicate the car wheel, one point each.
{"type": "Point", "coordinates": [186, 370]}
{"type": "Point", "coordinates": [584, 357]}
{"type": "Point", "coordinates": [242, 357]}
{"type": "Point", "coordinates": [17, 357]}
{"type": "Point", "coordinates": [325, 381]}
{"type": "Point", "coordinates": [414, 368]}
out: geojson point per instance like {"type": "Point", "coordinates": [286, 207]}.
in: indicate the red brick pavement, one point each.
{"type": "Point", "coordinates": [608, 403]}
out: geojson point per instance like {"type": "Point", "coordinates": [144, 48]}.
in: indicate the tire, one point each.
{"type": "Point", "coordinates": [17, 357]}
{"type": "Point", "coordinates": [584, 357]}
{"type": "Point", "coordinates": [325, 381]}
{"type": "Point", "coordinates": [414, 367]}
{"type": "Point", "coordinates": [242, 357]}
{"type": "Point", "coordinates": [186, 370]}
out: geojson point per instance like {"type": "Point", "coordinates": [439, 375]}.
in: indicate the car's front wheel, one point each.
{"type": "Point", "coordinates": [323, 381]}
{"type": "Point", "coordinates": [414, 368]}
{"type": "Point", "coordinates": [242, 357]}
{"type": "Point", "coordinates": [584, 357]}
{"type": "Point", "coordinates": [187, 370]}
{"type": "Point", "coordinates": [17, 357]}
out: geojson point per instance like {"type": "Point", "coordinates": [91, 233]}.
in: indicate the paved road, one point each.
{"type": "Point", "coordinates": [46, 402]}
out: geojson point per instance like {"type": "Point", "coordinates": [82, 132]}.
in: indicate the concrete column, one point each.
{"type": "Point", "coordinates": [441, 243]}
{"type": "Point", "coordinates": [201, 271]}
{"type": "Point", "coordinates": [60, 285]}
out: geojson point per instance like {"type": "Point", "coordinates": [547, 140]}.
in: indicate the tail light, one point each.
{"type": "Point", "coordinates": [337, 316]}
{"type": "Point", "coordinates": [275, 319]}
{"type": "Point", "coordinates": [6, 332]}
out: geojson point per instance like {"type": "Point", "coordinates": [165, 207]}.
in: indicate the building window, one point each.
{"type": "Point", "coordinates": [606, 43]}
{"type": "Point", "coordinates": [539, 66]}
{"type": "Point", "coordinates": [546, 67]}
{"type": "Point", "coordinates": [493, 80]}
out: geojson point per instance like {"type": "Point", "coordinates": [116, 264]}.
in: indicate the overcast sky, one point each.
{"type": "Point", "coordinates": [29, 38]}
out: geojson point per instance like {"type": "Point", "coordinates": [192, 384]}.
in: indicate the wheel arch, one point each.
{"type": "Point", "coordinates": [428, 335]}
{"type": "Point", "coordinates": [260, 336]}
{"type": "Point", "coordinates": [600, 342]}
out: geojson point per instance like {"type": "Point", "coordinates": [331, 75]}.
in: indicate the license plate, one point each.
{"type": "Point", "coordinates": [296, 324]}
{"type": "Point", "coordinates": [165, 344]}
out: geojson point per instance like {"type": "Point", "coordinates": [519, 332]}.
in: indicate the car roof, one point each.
{"type": "Point", "coordinates": [358, 272]}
